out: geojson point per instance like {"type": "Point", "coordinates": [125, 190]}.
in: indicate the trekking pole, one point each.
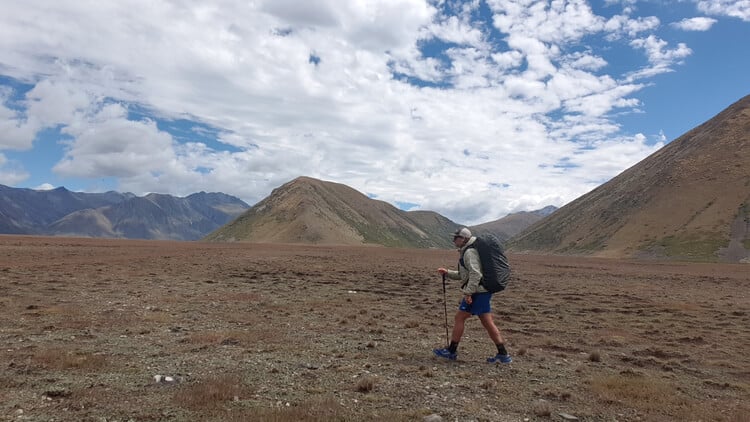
{"type": "Point", "coordinates": [445, 307]}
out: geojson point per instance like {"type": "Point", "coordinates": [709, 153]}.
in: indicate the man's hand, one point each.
{"type": "Point", "coordinates": [467, 299]}
{"type": "Point", "coordinates": [442, 270]}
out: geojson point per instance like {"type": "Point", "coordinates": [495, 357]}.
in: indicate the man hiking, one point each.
{"type": "Point", "coordinates": [476, 300]}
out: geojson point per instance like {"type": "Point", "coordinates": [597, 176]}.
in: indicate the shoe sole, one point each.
{"type": "Point", "coordinates": [444, 357]}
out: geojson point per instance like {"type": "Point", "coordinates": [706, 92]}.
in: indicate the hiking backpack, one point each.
{"type": "Point", "coordinates": [495, 267]}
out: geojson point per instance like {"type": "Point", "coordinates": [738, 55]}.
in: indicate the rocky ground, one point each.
{"type": "Point", "coordinates": [114, 330]}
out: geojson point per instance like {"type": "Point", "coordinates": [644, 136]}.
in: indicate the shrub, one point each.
{"type": "Point", "coordinates": [365, 384]}
{"type": "Point", "coordinates": [542, 408]}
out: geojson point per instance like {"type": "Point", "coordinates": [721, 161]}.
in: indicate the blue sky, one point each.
{"type": "Point", "coordinates": [473, 109]}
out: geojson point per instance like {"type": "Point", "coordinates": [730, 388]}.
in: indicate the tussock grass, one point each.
{"type": "Point", "coordinates": [365, 384]}
{"type": "Point", "coordinates": [243, 338]}
{"type": "Point", "coordinates": [61, 359]}
{"type": "Point", "coordinates": [158, 317]}
{"type": "Point", "coordinates": [211, 393]}
{"type": "Point", "coordinates": [718, 411]}
{"type": "Point", "coordinates": [542, 408]}
{"type": "Point", "coordinates": [636, 391]}
{"type": "Point", "coordinates": [67, 316]}
{"type": "Point", "coordinates": [209, 338]}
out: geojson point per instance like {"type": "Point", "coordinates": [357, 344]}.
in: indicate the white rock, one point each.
{"type": "Point", "coordinates": [433, 418]}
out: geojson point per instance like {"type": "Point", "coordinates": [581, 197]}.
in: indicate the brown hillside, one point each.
{"type": "Point", "coordinates": [689, 200]}
{"type": "Point", "coordinates": [308, 210]}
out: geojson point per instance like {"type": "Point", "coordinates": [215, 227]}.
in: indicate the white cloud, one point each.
{"type": "Point", "coordinates": [17, 132]}
{"type": "Point", "coordinates": [45, 186]}
{"type": "Point", "coordinates": [488, 138]}
{"type": "Point", "coordinates": [624, 26]}
{"type": "Point", "coordinates": [10, 172]}
{"type": "Point", "coordinates": [695, 24]}
{"type": "Point", "coordinates": [660, 57]}
{"type": "Point", "coordinates": [734, 8]}
{"type": "Point", "coordinates": [110, 144]}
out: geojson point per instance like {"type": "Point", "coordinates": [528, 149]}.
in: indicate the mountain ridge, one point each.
{"type": "Point", "coordinates": [681, 202]}
{"type": "Point", "coordinates": [60, 212]}
{"type": "Point", "coordinates": [308, 210]}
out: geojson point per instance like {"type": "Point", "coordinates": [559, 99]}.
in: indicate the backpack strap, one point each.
{"type": "Point", "coordinates": [463, 251]}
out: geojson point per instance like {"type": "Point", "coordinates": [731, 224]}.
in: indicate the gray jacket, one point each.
{"type": "Point", "coordinates": [471, 272]}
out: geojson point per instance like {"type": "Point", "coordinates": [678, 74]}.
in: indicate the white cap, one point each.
{"type": "Point", "coordinates": [462, 232]}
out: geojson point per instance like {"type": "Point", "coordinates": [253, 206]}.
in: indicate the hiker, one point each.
{"type": "Point", "coordinates": [476, 300]}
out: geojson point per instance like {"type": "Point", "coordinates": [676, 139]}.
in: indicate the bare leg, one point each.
{"type": "Point", "coordinates": [458, 325]}
{"type": "Point", "coordinates": [491, 328]}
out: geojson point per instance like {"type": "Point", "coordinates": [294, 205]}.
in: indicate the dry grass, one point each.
{"type": "Point", "coordinates": [211, 393]}
{"type": "Point", "coordinates": [56, 358]}
{"type": "Point", "coordinates": [542, 408]}
{"type": "Point", "coordinates": [233, 337]}
{"type": "Point", "coordinates": [365, 384]}
{"type": "Point", "coordinates": [595, 356]}
{"type": "Point", "coordinates": [158, 317]}
{"type": "Point", "coordinates": [639, 392]}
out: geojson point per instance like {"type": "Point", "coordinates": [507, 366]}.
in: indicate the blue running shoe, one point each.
{"type": "Point", "coordinates": [500, 359]}
{"type": "Point", "coordinates": [445, 353]}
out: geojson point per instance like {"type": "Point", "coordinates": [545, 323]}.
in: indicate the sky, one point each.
{"type": "Point", "coordinates": [473, 109]}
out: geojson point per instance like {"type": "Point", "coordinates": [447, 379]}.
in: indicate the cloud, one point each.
{"type": "Point", "coordinates": [695, 24]}
{"type": "Point", "coordinates": [45, 186]}
{"type": "Point", "coordinates": [11, 172]}
{"type": "Point", "coordinates": [660, 57]}
{"type": "Point", "coordinates": [623, 25]}
{"type": "Point", "coordinates": [736, 9]}
{"type": "Point", "coordinates": [467, 110]}
{"type": "Point", "coordinates": [17, 132]}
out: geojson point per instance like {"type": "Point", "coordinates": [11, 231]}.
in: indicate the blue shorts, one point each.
{"type": "Point", "coordinates": [480, 304]}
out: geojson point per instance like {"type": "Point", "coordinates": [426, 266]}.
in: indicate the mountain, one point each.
{"type": "Point", "coordinates": [60, 212]}
{"type": "Point", "coordinates": [28, 211]}
{"type": "Point", "coordinates": [307, 210]}
{"type": "Point", "coordinates": [512, 224]}
{"type": "Point", "coordinates": [689, 200]}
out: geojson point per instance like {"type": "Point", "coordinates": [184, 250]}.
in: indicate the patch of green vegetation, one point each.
{"type": "Point", "coordinates": [746, 243]}
{"type": "Point", "coordinates": [693, 246]}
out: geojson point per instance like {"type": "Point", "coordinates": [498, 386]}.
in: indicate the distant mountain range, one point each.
{"type": "Point", "coordinates": [308, 210]}
{"type": "Point", "coordinates": [690, 200]}
{"type": "Point", "coordinates": [305, 210]}
{"type": "Point", "coordinates": [512, 224]}
{"type": "Point", "coordinates": [60, 212]}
